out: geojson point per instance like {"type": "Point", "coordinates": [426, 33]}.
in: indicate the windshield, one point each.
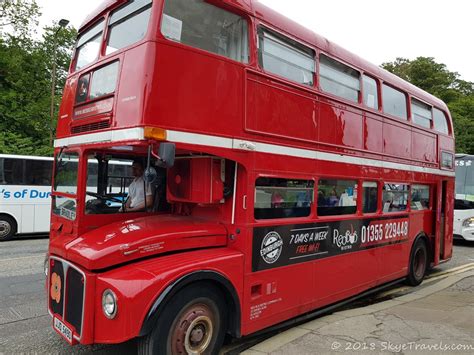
{"type": "Point", "coordinates": [65, 182]}
{"type": "Point", "coordinates": [65, 178]}
{"type": "Point", "coordinates": [465, 178]}
{"type": "Point", "coordinates": [116, 184]}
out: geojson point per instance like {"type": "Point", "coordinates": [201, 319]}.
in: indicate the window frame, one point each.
{"type": "Point", "coordinates": [378, 208]}
{"type": "Point", "coordinates": [79, 45]}
{"type": "Point", "coordinates": [378, 90]}
{"type": "Point", "coordinates": [343, 63]}
{"type": "Point", "coordinates": [291, 43]}
{"type": "Point", "coordinates": [244, 16]}
{"type": "Point", "coordinates": [407, 112]}
{"type": "Point", "coordinates": [357, 211]}
{"type": "Point", "coordinates": [446, 119]}
{"type": "Point", "coordinates": [430, 197]}
{"type": "Point", "coordinates": [123, 18]}
{"type": "Point", "coordinates": [417, 102]}
{"type": "Point", "coordinates": [312, 207]}
{"type": "Point", "coordinates": [408, 197]}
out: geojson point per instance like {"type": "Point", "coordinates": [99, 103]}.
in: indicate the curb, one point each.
{"type": "Point", "coordinates": [455, 275]}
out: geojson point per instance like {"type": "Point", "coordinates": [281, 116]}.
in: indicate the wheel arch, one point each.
{"type": "Point", "coordinates": [430, 248]}
{"type": "Point", "coordinates": [213, 277]}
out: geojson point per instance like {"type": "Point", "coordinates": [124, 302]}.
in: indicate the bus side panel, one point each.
{"type": "Point", "coordinates": [27, 218]}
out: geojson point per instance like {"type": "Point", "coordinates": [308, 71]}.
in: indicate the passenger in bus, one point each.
{"type": "Point", "coordinates": [137, 190]}
{"type": "Point", "coordinates": [333, 198]}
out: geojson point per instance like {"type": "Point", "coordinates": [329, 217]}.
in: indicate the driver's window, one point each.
{"type": "Point", "coordinates": [108, 179]}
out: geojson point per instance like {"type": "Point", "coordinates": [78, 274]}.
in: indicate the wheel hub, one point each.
{"type": "Point", "coordinates": [5, 228]}
{"type": "Point", "coordinates": [193, 331]}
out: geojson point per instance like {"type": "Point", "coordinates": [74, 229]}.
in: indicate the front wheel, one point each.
{"type": "Point", "coordinates": [7, 228]}
{"type": "Point", "coordinates": [418, 263]}
{"type": "Point", "coordinates": [192, 322]}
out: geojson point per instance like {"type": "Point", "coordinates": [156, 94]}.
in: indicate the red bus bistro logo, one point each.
{"type": "Point", "coordinates": [346, 240]}
{"type": "Point", "coordinates": [271, 247]}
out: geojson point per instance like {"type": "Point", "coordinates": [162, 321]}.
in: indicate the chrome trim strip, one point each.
{"type": "Point", "coordinates": [245, 145]}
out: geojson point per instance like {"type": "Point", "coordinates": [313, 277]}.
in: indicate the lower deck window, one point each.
{"type": "Point", "coordinates": [283, 198]}
{"type": "Point", "coordinates": [395, 197]}
{"type": "Point", "coordinates": [370, 193]}
{"type": "Point", "coordinates": [420, 197]}
{"type": "Point", "coordinates": [337, 197]}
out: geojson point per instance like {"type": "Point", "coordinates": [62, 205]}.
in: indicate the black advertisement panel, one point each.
{"type": "Point", "coordinates": [275, 246]}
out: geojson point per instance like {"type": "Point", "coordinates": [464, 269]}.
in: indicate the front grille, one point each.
{"type": "Point", "coordinates": [75, 295]}
{"type": "Point", "coordinates": [66, 295]}
{"type": "Point", "coordinates": [95, 126]}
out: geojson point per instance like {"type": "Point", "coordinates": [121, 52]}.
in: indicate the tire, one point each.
{"type": "Point", "coordinates": [418, 263]}
{"type": "Point", "coordinates": [192, 322]}
{"type": "Point", "coordinates": [7, 228]}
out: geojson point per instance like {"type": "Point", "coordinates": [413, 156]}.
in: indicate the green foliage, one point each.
{"type": "Point", "coordinates": [26, 77]}
{"type": "Point", "coordinates": [19, 15]}
{"type": "Point", "coordinates": [436, 79]}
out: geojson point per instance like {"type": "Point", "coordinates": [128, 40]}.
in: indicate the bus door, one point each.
{"type": "Point", "coordinates": [444, 221]}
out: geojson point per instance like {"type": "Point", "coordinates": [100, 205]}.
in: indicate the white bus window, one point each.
{"type": "Point", "coordinates": [207, 27]}
{"type": "Point", "coordinates": [128, 24]}
{"type": "Point", "coordinates": [20, 171]}
{"type": "Point", "coordinates": [420, 197]}
{"type": "Point", "coordinates": [88, 45]}
{"type": "Point", "coordinates": [395, 197]}
{"type": "Point", "coordinates": [283, 198]}
{"type": "Point", "coordinates": [421, 113]}
{"type": "Point", "coordinates": [370, 192]}
{"type": "Point", "coordinates": [285, 58]}
{"type": "Point", "coordinates": [440, 122]}
{"type": "Point", "coordinates": [371, 95]}
{"type": "Point", "coordinates": [65, 179]}
{"type": "Point", "coordinates": [339, 79]}
{"type": "Point", "coordinates": [394, 102]}
{"type": "Point", "coordinates": [337, 197]}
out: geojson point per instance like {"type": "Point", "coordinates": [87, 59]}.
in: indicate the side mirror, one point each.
{"type": "Point", "coordinates": [167, 153]}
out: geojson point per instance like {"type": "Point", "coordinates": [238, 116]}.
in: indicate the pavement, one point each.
{"type": "Point", "coordinates": [437, 316]}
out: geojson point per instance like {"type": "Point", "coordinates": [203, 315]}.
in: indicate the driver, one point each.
{"type": "Point", "coordinates": [136, 190]}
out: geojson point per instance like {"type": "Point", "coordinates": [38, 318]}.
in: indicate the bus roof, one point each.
{"type": "Point", "coordinates": [24, 157]}
{"type": "Point", "coordinates": [301, 33]}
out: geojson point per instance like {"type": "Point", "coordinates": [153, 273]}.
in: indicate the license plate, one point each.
{"type": "Point", "coordinates": [62, 329]}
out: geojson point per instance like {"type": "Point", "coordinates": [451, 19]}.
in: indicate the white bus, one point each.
{"type": "Point", "coordinates": [464, 203]}
{"type": "Point", "coordinates": [25, 194]}
{"type": "Point", "coordinates": [25, 191]}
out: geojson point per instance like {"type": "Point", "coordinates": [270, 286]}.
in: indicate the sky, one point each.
{"type": "Point", "coordinates": [379, 31]}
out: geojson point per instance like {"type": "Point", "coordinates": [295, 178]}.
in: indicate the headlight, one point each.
{"type": "Point", "coordinates": [468, 222]}
{"type": "Point", "coordinates": [109, 304]}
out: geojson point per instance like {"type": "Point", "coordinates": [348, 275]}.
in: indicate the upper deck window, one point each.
{"type": "Point", "coordinates": [286, 58]}
{"type": "Point", "coordinates": [205, 26]}
{"type": "Point", "coordinates": [88, 45]}
{"type": "Point", "coordinates": [440, 122]}
{"type": "Point", "coordinates": [339, 79]}
{"type": "Point", "coordinates": [371, 95]}
{"type": "Point", "coordinates": [128, 24]}
{"type": "Point", "coordinates": [394, 102]}
{"type": "Point", "coordinates": [421, 113]}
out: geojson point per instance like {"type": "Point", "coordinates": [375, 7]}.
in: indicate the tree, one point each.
{"type": "Point", "coordinates": [25, 89]}
{"type": "Point", "coordinates": [436, 79]}
{"type": "Point", "coordinates": [19, 15]}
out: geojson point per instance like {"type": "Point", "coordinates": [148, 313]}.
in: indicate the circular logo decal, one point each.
{"type": "Point", "coordinates": [271, 248]}
{"type": "Point", "coordinates": [56, 287]}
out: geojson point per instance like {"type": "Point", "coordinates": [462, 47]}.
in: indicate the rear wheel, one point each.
{"type": "Point", "coordinates": [418, 263]}
{"type": "Point", "coordinates": [192, 322]}
{"type": "Point", "coordinates": [7, 228]}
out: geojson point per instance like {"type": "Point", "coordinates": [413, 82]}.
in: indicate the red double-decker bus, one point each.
{"type": "Point", "coordinates": [273, 173]}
